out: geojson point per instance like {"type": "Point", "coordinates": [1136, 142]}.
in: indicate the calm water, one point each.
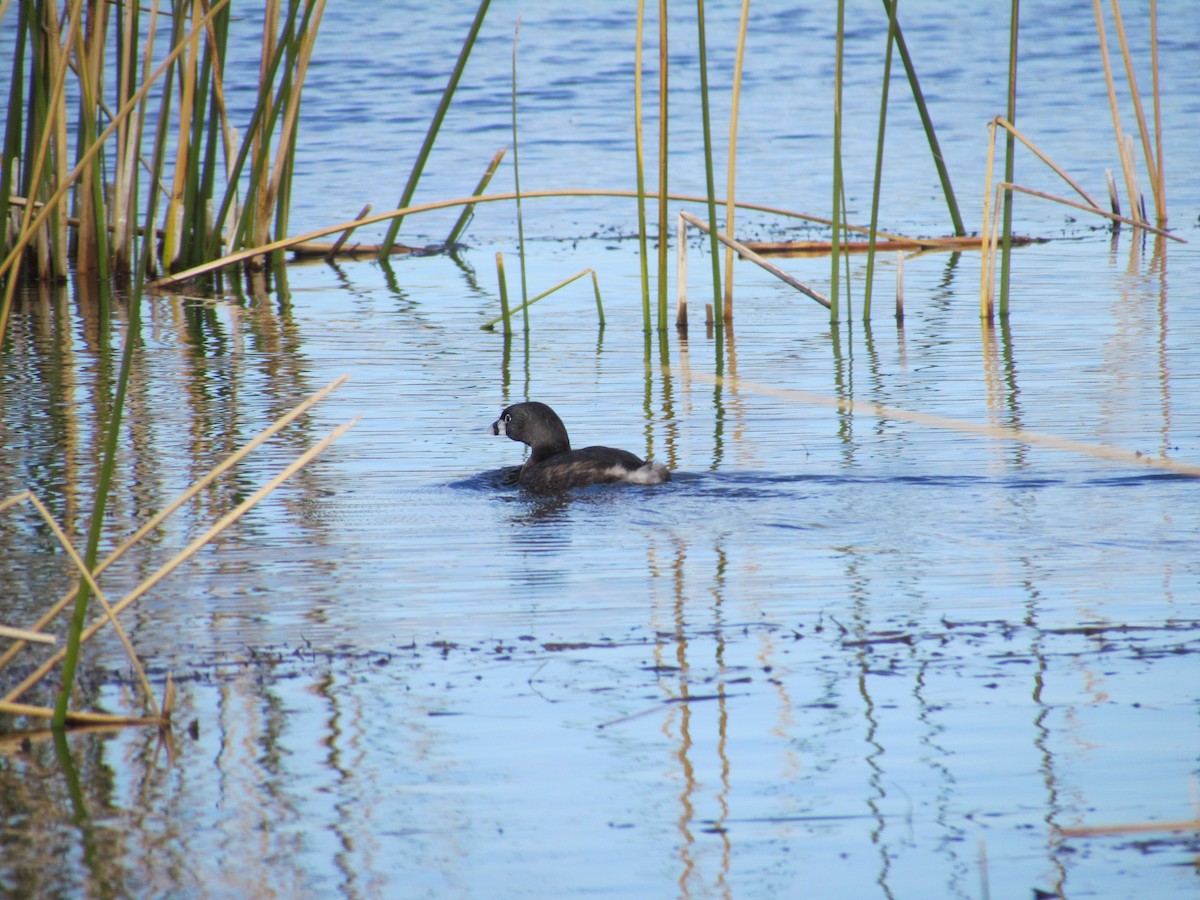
{"type": "Point", "coordinates": [840, 654]}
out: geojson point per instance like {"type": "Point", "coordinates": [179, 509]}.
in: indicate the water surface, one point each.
{"type": "Point", "coordinates": [840, 653]}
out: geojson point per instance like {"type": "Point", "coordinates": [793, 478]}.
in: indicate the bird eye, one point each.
{"type": "Point", "coordinates": [507, 417]}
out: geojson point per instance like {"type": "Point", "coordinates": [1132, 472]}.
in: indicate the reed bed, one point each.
{"type": "Point", "coordinates": [124, 183]}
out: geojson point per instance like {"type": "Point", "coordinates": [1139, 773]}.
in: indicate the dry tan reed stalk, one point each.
{"type": "Point", "coordinates": [79, 564]}
{"type": "Point", "coordinates": [1135, 94]}
{"type": "Point", "coordinates": [185, 554]}
{"type": "Point", "coordinates": [1012, 129]}
{"type": "Point", "coordinates": [287, 131]}
{"type": "Point", "coordinates": [1159, 172]}
{"type": "Point", "coordinates": [286, 243]}
{"type": "Point", "coordinates": [24, 634]}
{"type": "Point", "coordinates": [546, 293]}
{"type": "Point", "coordinates": [986, 281]}
{"type": "Point", "coordinates": [962, 426]}
{"type": "Point", "coordinates": [74, 718]}
{"type": "Point", "coordinates": [746, 253]}
{"type": "Point", "coordinates": [53, 129]}
{"type": "Point", "coordinates": [1126, 167]}
{"type": "Point", "coordinates": [1140, 223]}
{"type": "Point", "coordinates": [162, 515]}
{"type": "Point", "coordinates": [951, 243]}
{"type": "Point", "coordinates": [175, 204]}
{"type": "Point", "coordinates": [731, 173]}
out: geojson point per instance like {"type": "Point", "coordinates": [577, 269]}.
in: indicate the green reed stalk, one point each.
{"type": "Point", "coordinates": [469, 210]}
{"type": "Point", "coordinates": [599, 304]}
{"type": "Point", "coordinates": [836, 214]}
{"type": "Point", "coordinates": [930, 134]}
{"type": "Point", "coordinates": [431, 135]}
{"type": "Point", "coordinates": [1009, 160]}
{"type": "Point", "coordinates": [663, 224]}
{"type": "Point", "coordinates": [641, 164]}
{"type": "Point", "coordinates": [883, 103]}
{"type": "Point", "coordinates": [91, 235]}
{"type": "Point", "coordinates": [714, 247]}
{"type": "Point", "coordinates": [281, 175]}
{"type": "Point", "coordinates": [517, 185]}
{"type": "Point", "coordinates": [262, 120]}
{"type": "Point", "coordinates": [504, 310]}
{"type": "Point", "coordinates": [731, 170]}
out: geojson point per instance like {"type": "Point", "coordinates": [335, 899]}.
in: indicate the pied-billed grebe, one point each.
{"type": "Point", "coordinates": [554, 466]}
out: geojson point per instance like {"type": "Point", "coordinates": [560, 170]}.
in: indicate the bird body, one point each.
{"type": "Point", "coordinates": [552, 464]}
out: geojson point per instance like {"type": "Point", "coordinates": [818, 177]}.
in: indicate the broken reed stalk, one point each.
{"type": "Point", "coordinates": [709, 182]}
{"type": "Point", "coordinates": [31, 711]}
{"type": "Point", "coordinates": [748, 254]}
{"type": "Point", "coordinates": [414, 177]}
{"type": "Point", "coordinates": [224, 522]}
{"type": "Point", "coordinates": [1138, 223]}
{"type": "Point", "coordinates": [879, 139]}
{"type": "Point", "coordinates": [469, 210]}
{"type": "Point", "coordinates": [345, 235]}
{"type": "Point", "coordinates": [26, 635]}
{"type": "Point", "coordinates": [1008, 126]}
{"type": "Point", "coordinates": [161, 516]}
{"type": "Point", "coordinates": [524, 307]}
{"type": "Point", "coordinates": [731, 172]}
{"type": "Point", "coordinates": [640, 151]}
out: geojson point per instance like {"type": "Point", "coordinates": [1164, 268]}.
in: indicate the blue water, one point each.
{"type": "Point", "coordinates": [839, 654]}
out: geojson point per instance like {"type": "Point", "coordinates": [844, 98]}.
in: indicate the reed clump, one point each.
{"type": "Point", "coordinates": [86, 173]}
